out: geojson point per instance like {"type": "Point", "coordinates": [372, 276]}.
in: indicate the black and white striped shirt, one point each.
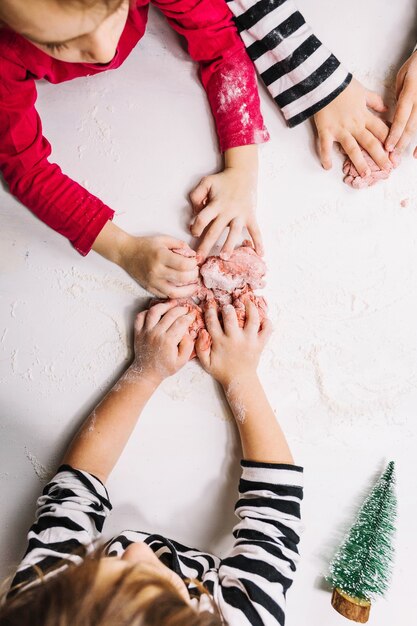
{"type": "Point", "coordinates": [248, 586]}
{"type": "Point", "coordinates": [301, 74]}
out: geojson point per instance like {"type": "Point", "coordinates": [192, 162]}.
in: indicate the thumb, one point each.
{"type": "Point", "coordinates": [185, 349]}
{"type": "Point", "coordinates": [374, 101]}
{"type": "Point", "coordinates": [203, 347]}
{"type": "Point", "coordinates": [199, 195]}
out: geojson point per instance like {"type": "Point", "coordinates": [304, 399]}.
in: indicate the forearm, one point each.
{"type": "Point", "coordinates": [112, 243]}
{"type": "Point", "coordinates": [261, 436]}
{"type": "Point", "coordinates": [244, 158]}
{"type": "Point", "coordinates": [101, 439]}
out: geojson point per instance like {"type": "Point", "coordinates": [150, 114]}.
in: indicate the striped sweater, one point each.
{"type": "Point", "coordinates": [301, 74]}
{"type": "Point", "coordinates": [248, 585]}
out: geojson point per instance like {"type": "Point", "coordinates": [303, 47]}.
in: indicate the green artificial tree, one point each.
{"type": "Point", "coordinates": [361, 568]}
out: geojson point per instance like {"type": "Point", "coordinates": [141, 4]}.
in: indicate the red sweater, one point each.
{"type": "Point", "coordinates": [226, 72]}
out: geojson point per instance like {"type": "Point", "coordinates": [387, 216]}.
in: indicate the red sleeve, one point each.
{"type": "Point", "coordinates": [40, 185]}
{"type": "Point", "coordinates": [226, 71]}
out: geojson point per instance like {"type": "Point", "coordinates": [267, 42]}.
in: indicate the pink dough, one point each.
{"type": "Point", "coordinates": [356, 181]}
{"type": "Point", "coordinates": [224, 282]}
{"type": "Point", "coordinates": [244, 267]}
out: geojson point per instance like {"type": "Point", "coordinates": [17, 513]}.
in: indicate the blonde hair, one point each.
{"type": "Point", "coordinates": [72, 597]}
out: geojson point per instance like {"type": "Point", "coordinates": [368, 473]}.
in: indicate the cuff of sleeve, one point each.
{"type": "Point", "coordinates": [94, 483]}
{"type": "Point", "coordinates": [99, 218]}
{"type": "Point", "coordinates": [274, 473]}
{"type": "Point", "coordinates": [244, 138]}
{"type": "Point", "coordinates": [318, 106]}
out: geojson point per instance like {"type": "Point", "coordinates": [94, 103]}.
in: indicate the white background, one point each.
{"type": "Point", "coordinates": [340, 370]}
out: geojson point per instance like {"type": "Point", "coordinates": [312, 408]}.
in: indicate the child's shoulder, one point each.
{"type": "Point", "coordinates": [14, 49]}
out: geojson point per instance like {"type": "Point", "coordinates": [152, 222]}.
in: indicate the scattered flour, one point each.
{"type": "Point", "coordinates": [237, 406]}
{"type": "Point", "coordinates": [40, 470]}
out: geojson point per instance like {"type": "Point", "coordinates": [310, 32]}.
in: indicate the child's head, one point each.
{"type": "Point", "coordinates": [78, 31]}
{"type": "Point", "coordinates": [137, 590]}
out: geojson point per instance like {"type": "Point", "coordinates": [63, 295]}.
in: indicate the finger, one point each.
{"type": "Point", "coordinates": [409, 131]}
{"type": "Point", "coordinates": [377, 127]}
{"type": "Point", "coordinates": [180, 327]}
{"type": "Point", "coordinates": [415, 153]}
{"type": "Point", "coordinates": [211, 237]}
{"type": "Point", "coordinates": [203, 219]}
{"type": "Point", "coordinates": [203, 347]}
{"type": "Point", "coordinates": [173, 243]}
{"type": "Point", "coordinates": [180, 263]}
{"type": "Point", "coordinates": [266, 330]}
{"type": "Point", "coordinates": [252, 317]}
{"type": "Point", "coordinates": [374, 101]}
{"type": "Point", "coordinates": [173, 291]}
{"type": "Point", "coordinates": [401, 116]}
{"type": "Point", "coordinates": [185, 251]}
{"type": "Point", "coordinates": [140, 321]}
{"type": "Point", "coordinates": [325, 150]}
{"type": "Point", "coordinates": [255, 233]}
{"type": "Point", "coordinates": [198, 196]}
{"type": "Point", "coordinates": [169, 318]}
{"type": "Point", "coordinates": [354, 152]}
{"type": "Point", "coordinates": [212, 322]}
{"type": "Point", "coordinates": [185, 349]}
{"type": "Point", "coordinates": [181, 278]}
{"type": "Point", "coordinates": [395, 158]}
{"type": "Point", "coordinates": [156, 292]}
{"type": "Point", "coordinates": [157, 311]}
{"type": "Point", "coordinates": [230, 323]}
{"type": "Point", "coordinates": [375, 149]}
{"type": "Point", "coordinates": [235, 233]}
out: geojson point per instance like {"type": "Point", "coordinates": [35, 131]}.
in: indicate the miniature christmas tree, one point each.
{"type": "Point", "coordinates": [361, 568]}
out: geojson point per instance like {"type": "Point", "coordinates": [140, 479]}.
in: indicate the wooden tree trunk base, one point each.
{"type": "Point", "coordinates": [355, 609]}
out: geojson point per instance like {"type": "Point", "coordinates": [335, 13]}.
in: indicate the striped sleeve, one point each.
{"type": "Point", "coordinates": [256, 575]}
{"type": "Point", "coordinates": [300, 73]}
{"type": "Point", "coordinates": [70, 515]}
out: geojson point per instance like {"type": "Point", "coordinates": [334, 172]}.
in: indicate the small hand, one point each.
{"type": "Point", "coordinates": [162, 342]}
{"type": "Point", "coordinates": [227, 200]}
{"type": "Point", "coordinates": [348, 121]}
{"type": "Point", "coordinates": [153, 263]}
{"type": "Point", "coordinates": [404, 124]}
{"type": "Point", "coordinates": [234, 352]}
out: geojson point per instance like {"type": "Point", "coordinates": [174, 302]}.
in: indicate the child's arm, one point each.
{"type": "Point", "coordinates": [306, 79]}
{"type": "Point", "coordinates": [256, 574]}
{"type": "Point", "coordinates": [232, 360]}
{"type": "Point", "coordinates": [74, 505]}
{"type": "Point", "coordinates": [162, 346]}
{"type": "Point", "coordinates": [404, 124]}
{"type": "Point", "coordinates": [63, 204]}
{"type": "Point", "coordinates": [226, 199]}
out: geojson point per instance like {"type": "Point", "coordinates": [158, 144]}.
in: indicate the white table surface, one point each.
{"type": "Point", "coordinates": [340, 370]}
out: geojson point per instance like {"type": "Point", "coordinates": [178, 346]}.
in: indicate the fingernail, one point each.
{"type": "Point", "coordinates": [390, 147]}
{"type": "Point", "coordinates": [225, 256]}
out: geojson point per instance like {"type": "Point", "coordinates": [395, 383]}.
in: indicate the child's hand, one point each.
{"type": "Point", "coordinates": [404, 124]}
{"type": "Point", "coordinates": [152, 262]}
{"type": "Point", "coordinates": [234, 352]}
{"type": "Point", "coordinates": [348, 120]}
{"type": "Point", "coordinates": [227, 200]}
{"type": "Point", "coordinates": [162, 342]}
